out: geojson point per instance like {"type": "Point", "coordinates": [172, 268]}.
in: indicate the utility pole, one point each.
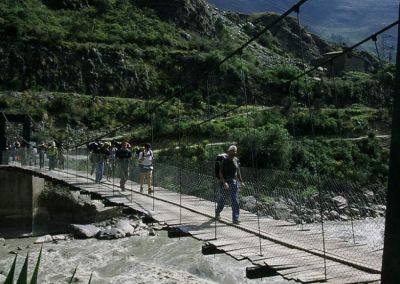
{"type": "Point", "coordinates": [391, 250]}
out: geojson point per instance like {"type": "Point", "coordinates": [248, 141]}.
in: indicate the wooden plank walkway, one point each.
{"type": "Point", "coordinates": [294, 253]}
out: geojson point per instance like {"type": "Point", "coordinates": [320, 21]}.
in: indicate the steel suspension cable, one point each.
{"type": "Point", "coordinates": [375, 40]}
{"type": "Point", "coordinates": [347, 50]}
{"type": "Point", "coordinates": [205, 75]}
{"type": "Point", "coordinates": [306, 72]}
{"type": "Point", "coordinates": [311, 114]}
{"type": "Point", "coordinates": [215, 183]}
{"type": "Point", "coordinates": [252, 149]}
{"type": "Point", "coordinates": [335, 89]}
{"type": "Point", "coordinates": [260, 33]}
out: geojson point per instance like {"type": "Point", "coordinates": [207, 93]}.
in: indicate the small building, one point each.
{"type": "Point", "coordinates": [343, 63]}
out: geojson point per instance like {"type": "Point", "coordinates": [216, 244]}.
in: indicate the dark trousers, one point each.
{"type": "Point", "coordinates": [222, 196]}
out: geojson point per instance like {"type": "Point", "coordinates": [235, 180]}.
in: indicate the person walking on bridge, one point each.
{"type": "Point", "coordinates": [146, 167]}
{"type": "Point", "coordinates": [52, 153]}
{"type": "Point", "coordinates": [230, 180]}
{"type": "Point", "coordinates": [124, 156]}
{"type": "Point", "coordinates": [42, 150]}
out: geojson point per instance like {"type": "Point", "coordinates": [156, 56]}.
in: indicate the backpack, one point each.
{"type": "Point", "coordinates": [137, 152]}
{"type": "Point", "coordinates": [142, 152]}
{"type": "Point", "coordinates": [218, 162]}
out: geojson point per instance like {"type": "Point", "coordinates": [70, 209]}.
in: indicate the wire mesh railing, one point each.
{"type": "Point", "coordinates": [273, 204]}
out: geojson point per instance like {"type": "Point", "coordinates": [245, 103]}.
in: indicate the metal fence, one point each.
{"type": "Point", "coordinates": [332, 211]}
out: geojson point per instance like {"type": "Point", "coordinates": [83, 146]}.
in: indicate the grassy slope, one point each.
{"type": "Point", "coordinates": [143, 33]}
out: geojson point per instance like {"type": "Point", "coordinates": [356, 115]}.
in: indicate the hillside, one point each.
{"type": "Point", "coordinates": [140, 49]}
{"type": "Point", "coordinates": [151, 48]}
{"type": "Point", "coordinates": [66, 62]}
{"type": "Point", "coordinates": [338, 20]}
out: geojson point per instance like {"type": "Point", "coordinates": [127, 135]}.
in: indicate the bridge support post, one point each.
{"type": "Point", "coordinates": [260, 272]}
{"type": "Point", "coordinates": [177, 233]}
{"type": "Point", "coordinates": [3, 141]}
{"type": "Point", "coordinates": [391, 250]}
{"type": "Point", "coordinates": [208, 249]}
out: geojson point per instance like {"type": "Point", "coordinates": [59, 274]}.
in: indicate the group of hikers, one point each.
{"type": "Point", "coordinates": [111, 158]}
{"type": "Point", "coordinates": [107, 158]}
{"type": "Point", "coordinates": [28, 154]}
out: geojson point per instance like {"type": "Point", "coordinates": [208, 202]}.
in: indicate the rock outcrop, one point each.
{"type": "Point", "coordinates": [195, 15]}
{"type": "Point", "coordinates": [291, 37]}
{"type": "Point", "coordinates": [64, 207]}
{"type": "Point", "coordinates": [97, 71]}
{"type": "Point", "coordinates": [114, 228]}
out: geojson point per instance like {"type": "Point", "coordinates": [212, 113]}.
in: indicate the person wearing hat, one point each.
{"type": "Point", "coordinates": [230, 181]}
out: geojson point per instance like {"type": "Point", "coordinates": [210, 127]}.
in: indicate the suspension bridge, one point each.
{"type": "Point", "coordinates": [296, 251]}
{"type": "Point", "coordinates": [307, 229]}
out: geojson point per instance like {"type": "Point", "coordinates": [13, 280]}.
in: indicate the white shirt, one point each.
{"type": "Point", "coordinates": [148, 158]}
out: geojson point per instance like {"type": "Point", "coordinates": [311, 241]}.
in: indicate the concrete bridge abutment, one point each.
{"type": "Point", "coordinates": [19, 196]}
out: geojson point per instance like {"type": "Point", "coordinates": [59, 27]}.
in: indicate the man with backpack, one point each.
{"type": "Point", "coordinates": [230, 180]}
{"type": "Point", "coordinates": [146, 167]}
{"type": "Point", "coordinates": [123, 156]}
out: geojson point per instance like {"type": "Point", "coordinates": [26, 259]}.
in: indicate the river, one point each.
{"type": "Point", "coordinates": [156, 259]}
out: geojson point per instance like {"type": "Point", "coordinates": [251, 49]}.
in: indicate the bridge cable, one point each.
{"type": "Point", "coordinates": [239, 50]}
{"type": "Point", "coordinates": [347, 50]}
{"type": "Point", "coordinates": [375, 40]}
{"type": "Point", "coordinates": [180, 162]}
{"type": "Point", "coordinates": [341, 134]}
{"type": "Point", "coordinates": [311, 116]}
{"type": "Point", "coordinates": [292, 106]}
{"type": "Point", "coordinates": [153, 117]}
{"type": "Point", "coordinates": [215, 183]}
{"type": "Point", "coordinates": [306, 72]}
{"type": "Point", "coordinates": [215, 67]}
{"type": "Point", "coordinates": [252, 139]}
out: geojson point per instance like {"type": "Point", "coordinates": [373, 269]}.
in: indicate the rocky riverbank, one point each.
{"type": "Point", "coordinates": [76, 215]}
{"type": "Point", "coordinates": [358, 206]}
{"type": "Point", "coordinates": [115, 228]}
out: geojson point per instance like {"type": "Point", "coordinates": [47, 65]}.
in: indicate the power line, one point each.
{"type": "Point", "coordinates": [347, 50]}
{"type": "Point", "coordinates": [219, 115]}
{"type": "Point", "coordinates": [312, 69]}
{"type": "Point", "coordinates": [295, 7]}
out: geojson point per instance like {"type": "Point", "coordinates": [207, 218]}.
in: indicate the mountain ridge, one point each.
{"type": "Point", "coordinates": [341, 21]}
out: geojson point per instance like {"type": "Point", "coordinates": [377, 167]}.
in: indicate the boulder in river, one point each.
{"type": "Point", "coordinates": [125, 227]}
{"type": "Point", "coordinates": [44, 239]}
{"type": "Point", "coordinates": [84, 231]}
{"type": "Point", "coordinates": [110, 234]}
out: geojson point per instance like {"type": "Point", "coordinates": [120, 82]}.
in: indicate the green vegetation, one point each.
{"type": "Point", "coordinates": [127, 49]}
{"type": "Point", "coordinates": [126, 55]}
{"type": "Point", "coordinates": [273, 137]}
{"type": "Point", "coordinates": [23, 275]}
